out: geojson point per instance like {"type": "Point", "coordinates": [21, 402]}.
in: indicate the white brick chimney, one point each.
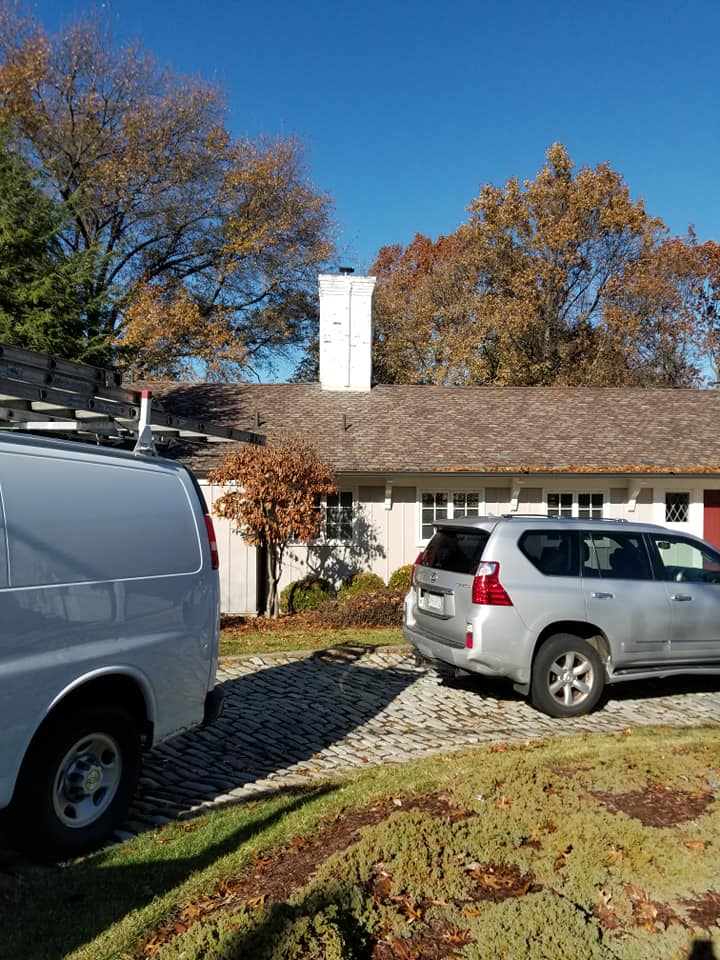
{"type": "Point", "coordinates": [345, 331]}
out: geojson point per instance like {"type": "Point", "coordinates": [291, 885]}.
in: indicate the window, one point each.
{"type": "Point", "coordinates": [560, 504]}
{"type": "Point", "coordinates": [338, 523]}
{"type": "Point", "coordinates": [620, 556]}
{"type": "Point", "coordinates": [444, 505]}
{"type": "Point", "coordinates": [590, 506]}
{"type": "Point", "coordinates": [677, 507]}
{"type": "Point", "coordinates": [466, 504]}
{"type": "Point", "coordinates": [553, 552]}
{"type": "Point", "coordinates": [458, 551]}
{"type": "Point", "coordinates": [685, 560]}
{"type": "Point", "coordinates": [434, 507]}
{"type": "Point", "coordinates": [587, 506]}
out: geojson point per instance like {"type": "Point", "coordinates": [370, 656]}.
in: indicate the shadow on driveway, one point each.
{"type": "Point", "coordinates": [274, 717]}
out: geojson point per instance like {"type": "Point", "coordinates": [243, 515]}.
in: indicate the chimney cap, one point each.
{"type": "Point", "coordinates": [346, 271]}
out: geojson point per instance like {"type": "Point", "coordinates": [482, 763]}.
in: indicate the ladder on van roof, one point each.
{"type": "Point", "coordinates": [42, 394]}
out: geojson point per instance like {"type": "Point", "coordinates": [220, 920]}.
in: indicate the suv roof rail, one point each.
{"type": "Point", "coordinates": [455, 520]}
{"type": "Point", "coordinates": [548, 516]}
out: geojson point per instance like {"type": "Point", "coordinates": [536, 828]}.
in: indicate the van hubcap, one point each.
{"type": "Point", "coordinates": [571, 679]}
{"type": "Point", "coordinates": [87, 780]}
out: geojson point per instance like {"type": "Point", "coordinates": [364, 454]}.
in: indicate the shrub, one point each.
{"type": "Point", "coordinates": [358, 583]}
{"type": "Point", "coordinates": [373, 608]}
{"type": "Point", "coordinates": [305, 594]}
{"type": "Point", "coordinates": [400, 578]}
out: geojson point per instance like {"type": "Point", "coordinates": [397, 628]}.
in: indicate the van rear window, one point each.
{"type": "Point", "coordinates": [458, 551]}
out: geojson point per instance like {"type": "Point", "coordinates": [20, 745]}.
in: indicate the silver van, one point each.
{"type": "Point", "coordinates": [109, 626]}
{"type": "Point", "coordinates": [563, 606]}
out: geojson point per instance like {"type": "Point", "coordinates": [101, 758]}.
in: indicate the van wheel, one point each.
{"type": "Point", "coordinates": [568, 676]}
{"type": "Point", "coordinates": [77, 781]}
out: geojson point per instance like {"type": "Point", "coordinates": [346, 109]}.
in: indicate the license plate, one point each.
{"type": "Point", "coordinates": [434, 601]}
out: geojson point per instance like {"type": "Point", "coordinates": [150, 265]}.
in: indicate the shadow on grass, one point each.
{"type": "Point", "coordinates": [62, 908]}
{"type": "Point", "coordinates": [702, 950]}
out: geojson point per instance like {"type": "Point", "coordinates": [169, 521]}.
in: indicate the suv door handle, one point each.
{"type": "Point", "coordinates": [681, 596]}
{"type": "Point", "coordinates": [599, 595]}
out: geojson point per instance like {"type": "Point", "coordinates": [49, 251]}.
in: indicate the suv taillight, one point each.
{"type": "Point", "coordinates": [486, 586]}
{"type": "Point", "coordinates": [212, 541]}
{"type": "Point", "coordinates": [415, 565]}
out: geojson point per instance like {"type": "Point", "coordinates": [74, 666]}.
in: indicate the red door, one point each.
{"type": "Point", "coordinates": [711, 523]}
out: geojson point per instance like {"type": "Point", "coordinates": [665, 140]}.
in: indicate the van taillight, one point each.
{"type": "Point", "coordinates": [486, 587]}
{"type": "Point", "coordinates": [415, 565]}
{"type": "Point", "coordinates": [212, 541]}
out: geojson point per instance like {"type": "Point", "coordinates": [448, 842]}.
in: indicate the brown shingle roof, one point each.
{"type": "Point", "coordinates": [470, 429]}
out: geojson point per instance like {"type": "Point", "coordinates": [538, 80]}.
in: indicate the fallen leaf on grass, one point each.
{"type": "Point", "coordinates": [402, 950]}
{"type": "Point", "coordinates": [615, 855]}
{"type": "Point", "coordinates": [297, 844]}
{"type": "Point", "coordinates": [458, 936]}
{"type": "Point", "coordinates": [604, 910]}
{"type": "Point", "coordinates": [561, 859]}
{"type": "Point", "coordinates": [259, 861]}
{"type": "Point", "coordinates": [650, 913]}
{"type": "Point", "coordinates": [530, 842]}
{"type": "Point", "coordinates": [409, 910]}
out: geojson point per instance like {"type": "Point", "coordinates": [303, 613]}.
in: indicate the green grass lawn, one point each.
{"type": "Point", "coordinates": [601, 847]}
{"type": "Point", "coordinates": [259, 635]}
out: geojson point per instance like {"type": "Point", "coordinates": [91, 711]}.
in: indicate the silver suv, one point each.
{"type": "Point", "coordinates": [564, 606]}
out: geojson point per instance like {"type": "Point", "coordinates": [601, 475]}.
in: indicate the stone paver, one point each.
{"type": "Point", "coordinates": [290, 719]}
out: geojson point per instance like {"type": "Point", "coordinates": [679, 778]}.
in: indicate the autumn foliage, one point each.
{"type": "Point", "coordinates": [562, 280]}
{"type": "Point", "coordinates": [205, 248]}
{"type": "Point", "coordinates": [271, 497]}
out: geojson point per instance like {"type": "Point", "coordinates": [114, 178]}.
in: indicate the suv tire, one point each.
{"type": "Point", "coordinates": [568, 676]}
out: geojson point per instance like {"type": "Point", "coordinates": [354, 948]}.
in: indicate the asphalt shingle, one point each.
{"type": "Point", "coordinates": [401, 428]}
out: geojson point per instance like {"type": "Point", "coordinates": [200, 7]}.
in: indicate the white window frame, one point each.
{"type": "Point", "coordinates": [575, 507]}
{"type": "Point", "coordinates": [679, 526]}
{"type": "Point", "coordinates": [450, 493]}
{"type": "Point", "coordinates": [323, 507]}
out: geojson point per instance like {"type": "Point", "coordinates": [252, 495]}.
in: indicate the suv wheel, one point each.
{"type": "Point", "coordinates": [568, 676]}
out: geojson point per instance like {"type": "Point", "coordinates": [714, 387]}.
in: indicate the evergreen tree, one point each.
{"type": "Point", "coordinates": [41, 289]}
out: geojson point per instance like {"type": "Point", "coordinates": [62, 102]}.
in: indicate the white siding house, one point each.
{"type": "Point", "coordinates": [408, 455]}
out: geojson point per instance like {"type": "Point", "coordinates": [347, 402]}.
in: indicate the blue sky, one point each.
{"type": "Point", "coordinates": [407, 108]}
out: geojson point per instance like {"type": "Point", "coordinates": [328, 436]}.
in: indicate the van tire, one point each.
{"type": "Point", "coordinates": [77, 781]}
{"type": "Point", "coordinates": [568, 676]}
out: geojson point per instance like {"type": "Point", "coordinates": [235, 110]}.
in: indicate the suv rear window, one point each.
{"type": "Point", "coordinates": [553, 552]}
{"type": "Point", "coordinates": [458, 551]}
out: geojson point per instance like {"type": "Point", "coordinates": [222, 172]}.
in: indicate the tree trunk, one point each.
{"type": "Point", "coordinates": [273, 598]}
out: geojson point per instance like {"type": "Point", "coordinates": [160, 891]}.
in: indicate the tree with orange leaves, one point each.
{"type": "Point", "coordinates": [272, 499]}
{"type": "Point", "coordinates": [206, 248]}
{"type": "Point", "coordinates": [560, 280]}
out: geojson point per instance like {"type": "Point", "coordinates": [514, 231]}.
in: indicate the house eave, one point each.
{"type": "Point", "coordinates": [635, 470]}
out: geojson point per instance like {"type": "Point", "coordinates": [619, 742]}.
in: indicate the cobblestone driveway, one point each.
{"type": "Point", "coordinates": [288, 719]}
